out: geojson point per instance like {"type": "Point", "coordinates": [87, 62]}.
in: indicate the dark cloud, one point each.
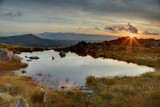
{"type": "Point", "coordinates": [11, 14]}
{"type": "Point", "coordinates": [149, 33]}
{"type": "Point", "coordinates": [128, 28]}
{"type": "Point", "coordinates": [1, 1]}
{"type": "Point", "coordinates": [145, 9]}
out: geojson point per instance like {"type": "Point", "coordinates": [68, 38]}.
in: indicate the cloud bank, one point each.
{"type": "Point", "coordinates": [127, 28]}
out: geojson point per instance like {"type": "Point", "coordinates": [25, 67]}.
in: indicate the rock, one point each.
{"type": "Point", "coordinates": [16, 58]}
{"type": "Point", "coordinates": [21, 103]}
{"type": "Point", "coordinates": [7, 55]}
{"type": "Point", "coordinates": [62, 54]}
{"type": "Point", "coordinates": [34, 57]}
{"type": "Point", "coordinates": [18, 53]}
{"type": "Point", "coordinates": [52, 58]}
{"type": "Point", "coordinates": [28, 60]}
{"type": "Point", "coordinates": [44, 95]}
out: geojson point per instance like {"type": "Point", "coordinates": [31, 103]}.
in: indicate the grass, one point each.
{"type": "Point", "coordinates": [140, 91]}
{"type": "Point", "coordinates": [143, 91]}
{"type": "Point", "coordinates": [106, 95]}
{"type": "Point", "coordinates": [6, 66]}
{"type": "Point", "coordinates": [36, 96]}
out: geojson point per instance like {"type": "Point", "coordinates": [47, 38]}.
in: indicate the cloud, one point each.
{"type": "Point", "coordinates": [144, 9]}
{"type": "Point", "coordinates": [96, 28]}
{"type": "Point", "coordinates": [11, 14]}
{"type": "Point", "coordinates": [149, 33]}
{"type": "Point", "coordinates": [156, 23]}
{"type": "Point", "coordinates": [128, 28]}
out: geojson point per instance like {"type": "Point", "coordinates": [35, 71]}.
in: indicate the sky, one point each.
{"type": "Point", "coordinates": [140, 18]}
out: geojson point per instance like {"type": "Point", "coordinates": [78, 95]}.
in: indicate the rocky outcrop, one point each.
{"type": "Point", "coordinates": [21, 103]}
{"type": "Point", "coordinates": [84, 48]}
{"type": "Point", "coordinates": [7, 55]}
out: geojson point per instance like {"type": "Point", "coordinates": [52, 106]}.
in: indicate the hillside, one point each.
{"type": "Point", "coordinates": [30, 40]}
{"type": "Point", "coordinates": [123, 43]}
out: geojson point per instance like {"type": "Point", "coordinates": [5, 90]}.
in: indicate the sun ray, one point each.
{"type": "Point", "coordinates": [131, 42]}
{"type": "Point", "coordinates": [125, 41]}
{"type": "Point", "coordinates": [136, 42]}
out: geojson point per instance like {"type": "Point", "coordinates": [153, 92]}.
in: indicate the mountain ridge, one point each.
{"type": "Point", "coordinates": [29, 40]}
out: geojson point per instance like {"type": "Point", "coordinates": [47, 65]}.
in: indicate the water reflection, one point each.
{"type": "Point", "coordinates": [73, 69]}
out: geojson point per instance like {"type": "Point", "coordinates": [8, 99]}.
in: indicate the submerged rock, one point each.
{"type": "Point", "coordinates": [44, 95]}
{"type": "Point", "coordinates": [62, 54]}
{"type": "Point", "coordinates": [28, 60]}
{"type": "Point", "coordinates": [34, 57]}
{"type": "Point", "coordinates": [21, 103]}
{"type": "Point", "coordinates": [52, 58]}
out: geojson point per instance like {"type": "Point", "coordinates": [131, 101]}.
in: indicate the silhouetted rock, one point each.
{"type": "Point", "coordinates": [62, 54]}
{"type": "Point", "coordinates": [84, 48]}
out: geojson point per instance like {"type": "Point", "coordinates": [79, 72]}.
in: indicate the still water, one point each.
{"type": "Point", "coordinates": [74, 69]}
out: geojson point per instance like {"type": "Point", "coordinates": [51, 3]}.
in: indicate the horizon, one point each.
{"type": "Point", "coordinates": [105, 17]}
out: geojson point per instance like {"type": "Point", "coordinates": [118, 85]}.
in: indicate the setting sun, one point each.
{"type": "Point", "coordinates": [131, 35]}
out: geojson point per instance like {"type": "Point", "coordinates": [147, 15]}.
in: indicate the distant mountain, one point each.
{"type": "Point", "coordinates": [30, 40]}
{"type": "Point", "coordinates": [53, 39]}
{"type": "Point", "coordinates": [76, 37]}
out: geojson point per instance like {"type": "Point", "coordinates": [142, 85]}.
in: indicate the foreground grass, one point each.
{"type": "Point", "coordinates": [141, 91]}
{"type": "Point", "coordinates": [26, 88]}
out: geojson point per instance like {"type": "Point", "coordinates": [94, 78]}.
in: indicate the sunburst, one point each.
{"type": "Point", "coordinates": [131, 35]}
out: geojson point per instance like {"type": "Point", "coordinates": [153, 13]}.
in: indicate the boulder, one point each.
{"type": "Point", "coordinates": [7, 55]}
{"type": "Point", "coordinates": [16, 58]}
{"type": "Point", "coordinates": [62, 54]}
{"type": "Point", "coordinates": [44, 95]}
{"type": "Point", "coordinates": [21, 103]}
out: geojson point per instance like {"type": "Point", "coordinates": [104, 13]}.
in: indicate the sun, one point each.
{"type": "Point", "coordinates": [131, 35]}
